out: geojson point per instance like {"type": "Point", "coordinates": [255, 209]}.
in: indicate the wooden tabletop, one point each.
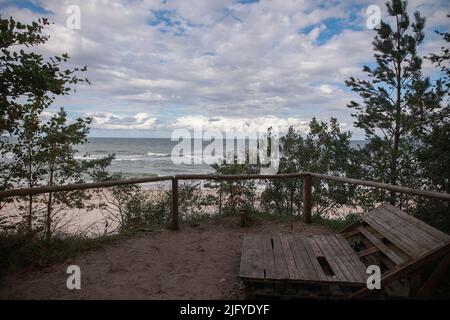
{"type": "Point", "coordinates": [410, 235]}
{"type": "Point", "coordinates": [317, 258]}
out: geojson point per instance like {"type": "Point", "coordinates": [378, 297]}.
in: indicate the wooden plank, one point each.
{"type": "Point", "coordinates": [385, 186]}
{"type": "Point", "coordinates": [307, 203]}
{"type": "Point", "coordinates": [315, 247]}
{"type": "Point", "coordinates": [174, 203]}
{"type": "Point", "coordinates": [350, 227]}
{"type": "Point", "coordinates": [349, 256]}
{"type": "Point", "coordinates": [281, 267]}
{"type": "Point", "coordinates": [382, 229]}
{"type": "Point", "coordinates": [324, 246]}
{"type": "Point", "coordinates": [426, 230]}
{"type": "Point", "coordinates": [245, 266]}
{"type": "Point", "coordinates": [352, 255]}
{"type": "Point", "coordinates": [392, 234]}
{"type": "Point", "coordinates": [426, 240]}
{"type": "Point", "coordinates": [380, 245]}
{"type": "Point", "coordinates": [104, 184]}
{"type": "Point", "coordinates": [341, 259]}
{"type": "Point", "coordinates": [251, 259]}
{"type": "Point", "coordinates": [300, 242]}
{"type": "Point", "coordinates": [265, 244]}
{"type": "Point", "coordinates": [298, 258]}
{"type": "Point", "coordinates": [408, 231]}
{"type": "Point", "coordinates": [367, 252]}
{"type": "Point", "coordinates": [290, 262]}
{"type": "Point", "coordinates": [313, 257]}
{"type": "Point", "coordinates": [350, 233]}
{"type": "Point", "coordinates": [441, 236]}
{"type": "Point", "coordinates": [405, 269]}
{"type": "Point", "coordinates": [396, 231]}
{"type": "Point", "coordinates": [341, 256]}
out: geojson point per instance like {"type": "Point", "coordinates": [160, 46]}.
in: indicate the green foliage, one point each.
{"type": "Point", "coordinates": [127, 207]}
{"type": "Point", "coordinates": [397, 101]}
{"type": "Point", "coordinates": [28, 83]}
{"type": "Point", "coordinates": [441, 60]}
{"type": "Point", "coordinates": [336, 223]}
{"type": "Point", "coordinates": [233, 196]}
{"type": "Point", "coordinates": [405, 118]}
{"type": "Point", "coordinates": [43, 153]}
{"type": "Point", "coordinates": [433, 152]}
{"type": "Point", "coordinates": [193, 202]}
{"type": "Point", "coordinates": [324, 150]}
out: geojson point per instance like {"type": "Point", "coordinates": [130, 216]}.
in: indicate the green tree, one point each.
{"type": "Point", "coordinates": [441, 60]}
{"type": "Point", "coordinates": [433, 152]}
{"type": "Point", "coordinates": [29, 83]}
{"type": "Point", "coordinates": [232, 196]}
{"type": "Point", "coordinates": [26, 170]}
{"type": "Point", "coordinates": [396, 99]}
{"type": "Point", "coordinates": [325, 150]}
{"type": "Point", "coordinates": [60, 166]}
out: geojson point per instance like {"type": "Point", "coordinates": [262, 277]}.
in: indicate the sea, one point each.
{"type": "Point", "coordinates": [140, 157]}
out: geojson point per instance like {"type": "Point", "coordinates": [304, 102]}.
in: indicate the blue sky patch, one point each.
{"type": "Point", "coordinates": [25, 4]}
{"type": "Point", "coordinates": [248, 1]}
{"type": "Point", "coordinates": [167, 18]}
{"type": "Point", "coordinates": [334, 26]}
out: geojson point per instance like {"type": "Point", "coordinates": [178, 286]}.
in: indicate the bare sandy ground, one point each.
{"type": "Point", "coordinates": [197, 262]}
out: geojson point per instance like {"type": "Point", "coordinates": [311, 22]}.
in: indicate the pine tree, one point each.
{"type": "Point", "coordinates": [397, 100]}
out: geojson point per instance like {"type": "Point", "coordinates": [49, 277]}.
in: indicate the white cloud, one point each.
{"type": "Point", "coordinates": [218, 59]}
{"type": "Point", "coordinates": [121, 122]}
{"type": "Point", "coordinates": [239, 125]}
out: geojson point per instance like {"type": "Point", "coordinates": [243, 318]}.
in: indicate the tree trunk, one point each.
{"type": "Point", "coordinates": [48, 222]}
{"type": "Point", "coordinates": [394, 158]}
{"type": "Point", "coordinates": [394, 164]}
{"type": "Point", "coordinates": [30, 197]}
{"type": "Point", "coordinates": [220, 199]}
{"type": "Point", "coordinates": [30, 215]}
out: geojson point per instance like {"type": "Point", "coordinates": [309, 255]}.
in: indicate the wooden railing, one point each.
{"type": "Point", "coordinates": [306, 176]}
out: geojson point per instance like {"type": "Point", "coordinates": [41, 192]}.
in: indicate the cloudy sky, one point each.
{"type": "Point", "coordinates": [158, 65]}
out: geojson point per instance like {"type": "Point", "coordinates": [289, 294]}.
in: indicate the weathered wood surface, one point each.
{"type": "Point", "coordinates": [381, 246]}
{"type": "Point", "coordinates": [298, 258]}
{"type": "Point", "coordinates": [410, 235]}
{"type": "Point", "coordinates": [307, 201]}
{"type": "Point", "coordinates": [407, 268]}
{"type": "Point", "coordinates": [105, 184]}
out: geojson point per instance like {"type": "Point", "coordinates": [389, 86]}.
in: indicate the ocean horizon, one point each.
{"type": "Point", "coordinates": [137, 157]}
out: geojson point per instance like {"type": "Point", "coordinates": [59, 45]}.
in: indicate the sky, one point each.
{"type": "Point", "coordinates": [160, 65]}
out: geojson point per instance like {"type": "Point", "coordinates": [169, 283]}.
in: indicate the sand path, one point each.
{"type": "Point", "coordinates": [197, 262]}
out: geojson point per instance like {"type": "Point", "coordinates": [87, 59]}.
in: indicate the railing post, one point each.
{"type": "Point", "coordinates": [307, 204]}
{"type": "Point", "coordinates": [174, 203]}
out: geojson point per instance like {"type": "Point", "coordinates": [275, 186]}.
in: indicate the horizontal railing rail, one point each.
{"type": "Point", "coordinates": [306, 176]}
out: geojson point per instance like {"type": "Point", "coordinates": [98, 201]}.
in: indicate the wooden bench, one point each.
{"type": "Point", "coordinates": [289, 265]}
{"type": "Point", "coordinates": [401, 245]}
{"type": "Point", "coordinates": [316, 266]}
